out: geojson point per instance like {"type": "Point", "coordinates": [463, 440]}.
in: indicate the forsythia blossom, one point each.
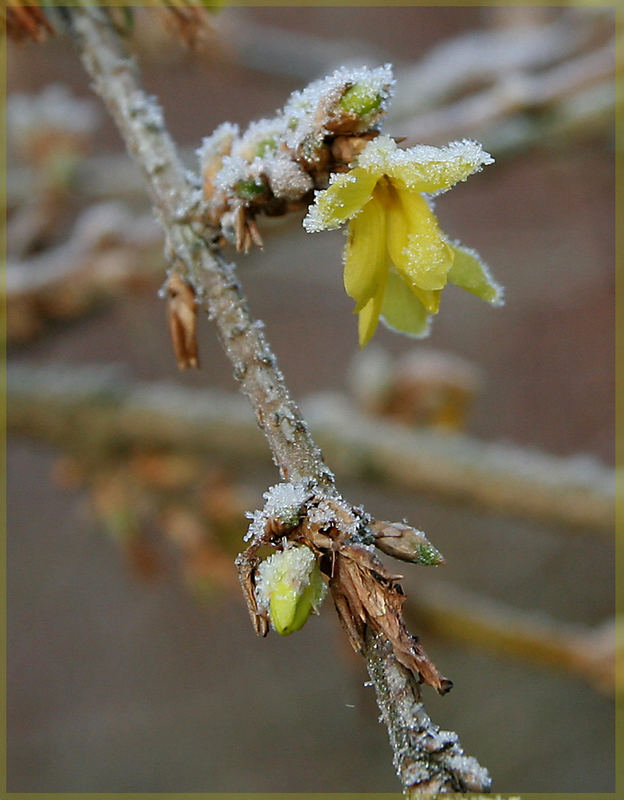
{"type": "Point", "coordinates": [396, 259]}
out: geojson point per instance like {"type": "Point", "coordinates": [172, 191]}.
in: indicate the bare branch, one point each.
{"type": "Point", "coordinates": [577, 492]}
{"type": "Point", "coordinates": [213, 280]}
{"type": "Point", "coordinates": [516, 93]}
{"type": "Point", "coordinates": [109, 250]}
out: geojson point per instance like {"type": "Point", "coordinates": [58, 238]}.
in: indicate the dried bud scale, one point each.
{"type": "Point", "coordinates": [182, 319]}
{"type": "Point", "coordinates": [27, 22]}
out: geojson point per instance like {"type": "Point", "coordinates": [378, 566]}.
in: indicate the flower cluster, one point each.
{"type": "Point", "coordinates": [274, 165]}
{"type": "Point", "coordinates": [397, 260]}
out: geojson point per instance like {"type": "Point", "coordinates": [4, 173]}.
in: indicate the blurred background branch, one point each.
{"type": "Point", "coordinates": [98, 415]}
{"type": "Point", "coordinates": [96, 409]}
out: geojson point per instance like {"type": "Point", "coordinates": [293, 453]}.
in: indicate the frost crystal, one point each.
{"type": "Point", "coordinates": [382, 156]}
{"type": "Point", "coordinates": [284, 502]}
{"type": "Point", "coordinates": [219, 141]}
{"type": "Point", "coordinates": [396, 260]}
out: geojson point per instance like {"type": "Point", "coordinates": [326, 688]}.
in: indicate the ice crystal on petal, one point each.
{"type": "Point", "coordinates": [296, 562]}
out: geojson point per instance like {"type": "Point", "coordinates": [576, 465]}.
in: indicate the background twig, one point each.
{"type": "Point", "coordinates": [577, 492]}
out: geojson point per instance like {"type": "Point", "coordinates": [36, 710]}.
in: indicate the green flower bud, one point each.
{"type": "Point", "coordinates": [291, 587]}
{"type": "Point", "coordinates": [249, 189]}
{"type": "Point", "coordinates": [429, 556]}
{"type": "Point", "coordinates": [361, 100]}
{"type": "Point", "coordinates": [266, 146]}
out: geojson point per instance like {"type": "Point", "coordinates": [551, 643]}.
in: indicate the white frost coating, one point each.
{"type": "Point", "coordinates": [304, 107]}
{"type": "Point", "coordinates": [260, 137]}
{"type": "Point", "coordinates": [234, 169]}
{"type": "Point", "coordinates": [286, 178]}
{"type": "Point", "coordinates": [324, 515]}
{"type": "Point", "coordinates": [284, 502]}
{"type": "Point", "coordinates": [54, 109]}
{"type": "Point", "coordinates": [382, 156]}
{"type": "Point", "coordinates": [269, 148]}
{"type": "Point", "coordinates": [219, 142]}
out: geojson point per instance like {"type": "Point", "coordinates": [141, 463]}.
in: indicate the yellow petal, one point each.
{"type": "Point", "coordinates": [415, 243]}
{"type": "Point", "coordinates": [401, 309]}
{"type": "Point", "coordinates": [430, 299]}
{"type": "Point", "coordinates": [471, 274]}
{"type": "Point", "coordinates": [348, 193]}
{"type": "Point", "coordinates": [366, 258]}
{"type": "Point", "coordinates": [369, 316]}
{"type": "Point", "coordinates": [424, 168]}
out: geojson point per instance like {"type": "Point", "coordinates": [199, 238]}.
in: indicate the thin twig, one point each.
{"type": "Point", "coordinates": [109, 251]}
{"type": "Point", "coordinates": [141, 125]}
{"type": "Point", "coordinates": [588, 652]}
{"type": "Point", "coordinates": [577, 493]}
{"type": "Point", "coordinates": [515, 95]}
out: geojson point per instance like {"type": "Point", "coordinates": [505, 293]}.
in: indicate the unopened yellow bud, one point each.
{"type": "Point", "coordinates": [291, 587]}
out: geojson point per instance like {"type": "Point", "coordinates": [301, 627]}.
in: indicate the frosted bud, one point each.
{"type": "Point", "coordinates": [249, 189]}
{"type": "Point", "coordinates": [290, 586]}
{"type": "Point", "coordinates": [361, 99]}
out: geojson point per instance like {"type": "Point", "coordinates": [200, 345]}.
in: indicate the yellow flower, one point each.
{"type": "Point", "coordinates": [396, 259]}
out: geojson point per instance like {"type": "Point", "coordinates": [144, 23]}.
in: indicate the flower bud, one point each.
{"type": "Point", "coordinates": [290, 586]}
{"type": "Point", "coordinates": [361, 99]}
{"type": "Point", "coordinates": [249, 189]}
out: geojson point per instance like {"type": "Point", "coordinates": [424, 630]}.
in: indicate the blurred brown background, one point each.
{"type": "Point", "coordinates": [118, 683]}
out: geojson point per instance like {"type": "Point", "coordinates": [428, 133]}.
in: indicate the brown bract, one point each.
{"type": "Point", "coordinates": [365, 594]}
{"type": "Point", "coordinates": [27, 22]}
{"type": "Point", "coordinates": [182, 319]}
{"type": "Point", "coordinates": [191, 24]}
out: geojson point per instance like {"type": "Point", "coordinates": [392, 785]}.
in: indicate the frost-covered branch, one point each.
{"type": "Point", "coordinates": [174, 196]}
{"type": "Point", "coordinates": [192, 253]}
{"type": "Point", "coordinates": [577, 493]}
{"type": "Point", "coordinates": [94, 413]}
{"type": "Point", "coordinates": [427, 759]}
